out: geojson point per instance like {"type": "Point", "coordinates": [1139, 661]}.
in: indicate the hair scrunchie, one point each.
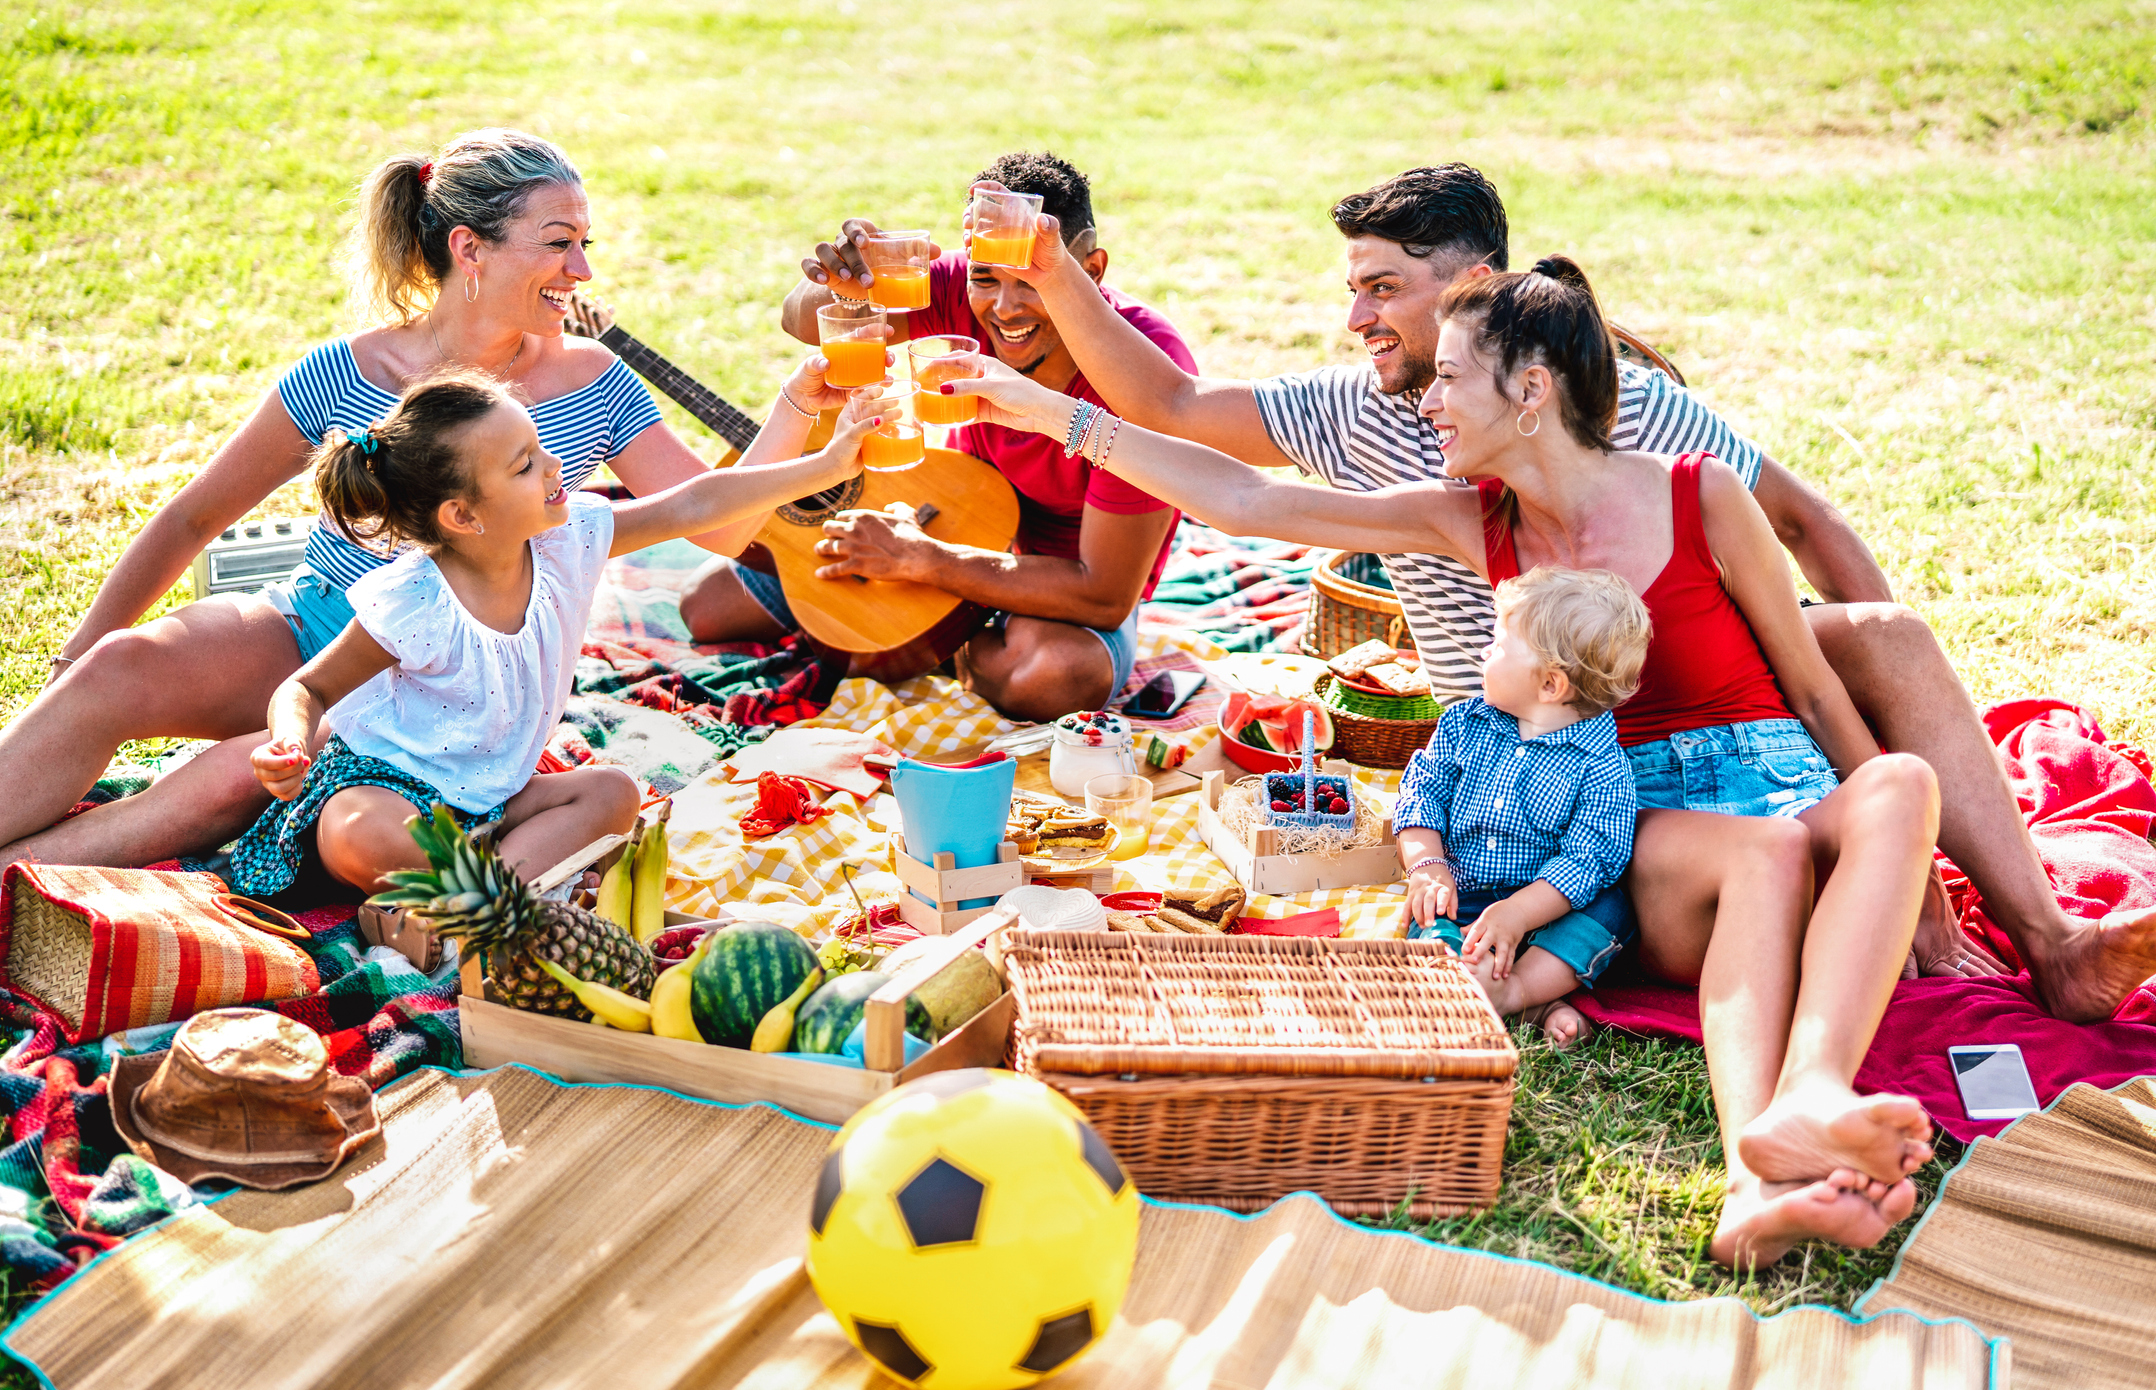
{"type": "Point", "coordinates": [426, 171]}
{"type": "Point", "coordinates": [366, 443]}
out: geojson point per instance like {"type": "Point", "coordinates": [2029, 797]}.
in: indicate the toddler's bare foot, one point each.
{"type": "Point", "coordinates": [1762, 1221]}
{"type": "Point", "coordinates": [1563, 1026]}
{"type": "Point", "coordinates": [1822, 1128]}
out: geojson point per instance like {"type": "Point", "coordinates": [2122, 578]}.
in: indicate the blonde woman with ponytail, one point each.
{"type": "Point", "coordinates": [465, 260]}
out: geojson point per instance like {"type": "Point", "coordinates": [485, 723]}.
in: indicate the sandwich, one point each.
{"type": "Point", "coordinates": [1202, 911]}
{"type": "Point", "coordinates": [1075, 830]}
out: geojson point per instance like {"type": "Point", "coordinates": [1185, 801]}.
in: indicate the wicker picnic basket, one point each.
{"type": "Point", "coordinates": [1345, 612]}
{"type": "Point", "coordinates": [1369, 741]}
{"type": "Point", "coordinates": [1234, 1070]}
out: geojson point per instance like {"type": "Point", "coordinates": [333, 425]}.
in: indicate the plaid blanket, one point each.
{"type": "Point", "coordinates": [69, 1186]}
{"type": "Point", "coordinates": [1239, 594]}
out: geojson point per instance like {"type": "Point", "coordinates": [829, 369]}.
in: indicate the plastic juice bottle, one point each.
{"type": "Point", "coordinates": [900, 287]}
{"type": "Point", "coordinates": [897, 444]}
{"type": "Point", "coordinates": [1003, 250]}
{"type": "Point", "coordinates": [854, 362]}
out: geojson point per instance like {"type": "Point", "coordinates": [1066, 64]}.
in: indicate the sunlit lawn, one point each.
{"type": "Point", "coordinates": [1907, 248]}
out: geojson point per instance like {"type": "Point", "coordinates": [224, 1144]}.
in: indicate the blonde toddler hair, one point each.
{"type": "Point", "coordinates": [1586, 623]}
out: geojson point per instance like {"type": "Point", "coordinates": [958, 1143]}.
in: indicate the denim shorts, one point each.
{"type": "Point", "coordinates": [1121, 642]}
{"type": "Point", "coordinates": [1586, 939]}
{"type": "Point", "coordinates": [316, 609]}
{"type": "Point", "coordinates": [1769, 767]}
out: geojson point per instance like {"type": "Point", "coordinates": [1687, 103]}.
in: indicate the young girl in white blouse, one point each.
{"type": "Point", "coordinates": [454, 670]}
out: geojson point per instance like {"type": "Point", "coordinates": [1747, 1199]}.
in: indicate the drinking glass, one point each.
{"type": "Point", "coordinates": [898, 270]}
{"type": "Point", "coordinates": [930, 362]}
{"type": "Point", "coordinates": [851, 334]}
{"type": "Point", "coordinates": [1004, 225]}
{"type": "Point", "coordinates": [896, 444]}
{"type": "Point", "coordinates": [1127, 803]}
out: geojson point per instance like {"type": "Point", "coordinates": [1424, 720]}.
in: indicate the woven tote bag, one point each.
{"type": "Point", "coordinates": [105, 950]}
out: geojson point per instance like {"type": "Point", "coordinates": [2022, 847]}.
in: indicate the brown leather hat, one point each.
{"type": "Point", "coordinates": [242, 1094]}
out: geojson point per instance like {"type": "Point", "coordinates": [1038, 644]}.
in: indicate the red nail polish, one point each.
{"type": "Point", "coordinates": [948, 388]}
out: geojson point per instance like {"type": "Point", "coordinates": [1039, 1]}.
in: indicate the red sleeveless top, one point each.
{"type": "Point", "coordinates": [1704, 667]}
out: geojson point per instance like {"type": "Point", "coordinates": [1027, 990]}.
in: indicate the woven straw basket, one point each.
{"type": "Point", "coordinates": [1234, 1070]}
{"type": "Point", "coordinates": [1344, 613]}
{"type": "Point", "coordinates": [1369, 742]}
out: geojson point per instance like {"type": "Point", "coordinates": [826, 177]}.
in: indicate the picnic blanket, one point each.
{"type": "Point", "coordinates": [69, 1186]}
{"type": "Point", "coordinates": [505, 1229]}
{"type": "Point", "coordinates": [2046, 1236]}
{"type": "Point", "coordinates": [2090, 806]}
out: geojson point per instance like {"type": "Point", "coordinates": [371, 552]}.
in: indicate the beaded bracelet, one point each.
{"type": "Point", "coordinates": [1100, 455]}
{"type": "Point", "coordinates": [1081, 420]}
{"type": "Point", "coordinates": [1089, 440]}
{"type": "Point", "coordinates": [787, 397]}
{"type": "Point", "coordinates": [1419, 865]}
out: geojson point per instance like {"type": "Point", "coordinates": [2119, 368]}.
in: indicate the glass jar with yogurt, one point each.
{"type": "Point", "coordinates": [1088, 746]}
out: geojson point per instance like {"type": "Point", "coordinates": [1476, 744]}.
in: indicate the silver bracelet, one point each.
{"type": "Point", "coordinates": [804, 414]}
{"type": "Point", "coordinates": [1419, 865]}
{"type": "Point", "coordinates": [63, 661]}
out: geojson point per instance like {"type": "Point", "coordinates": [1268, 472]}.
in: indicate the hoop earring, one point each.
{"type": "Point", "coordinates": [471, 287]}
{"type": "Point", "coordinates": [1528, 434]}
{"type": "Point", "coordinates": [479, 527]}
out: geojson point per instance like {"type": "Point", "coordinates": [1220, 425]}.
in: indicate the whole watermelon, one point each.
{"type": "Point", "coordinates": [748, 969]}
{"type": "Point", "coordinates": [832, 1013]}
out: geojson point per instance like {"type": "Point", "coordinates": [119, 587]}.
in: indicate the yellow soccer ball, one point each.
{"type": "Point", "coordinates": [972, 1232]}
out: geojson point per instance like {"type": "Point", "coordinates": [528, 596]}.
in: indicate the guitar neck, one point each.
{"type": "Point", "coordinates": [717, 414]}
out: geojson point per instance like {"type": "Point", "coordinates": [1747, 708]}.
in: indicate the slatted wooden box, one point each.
{"type": "Point", "coordinates": [1234, 1070]}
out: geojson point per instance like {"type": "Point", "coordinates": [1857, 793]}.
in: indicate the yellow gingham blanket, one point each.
{"type": "Point", "coordinates": [793, 877]}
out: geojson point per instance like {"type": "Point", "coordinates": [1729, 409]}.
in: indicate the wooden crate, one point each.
{"type": "Point", "coordinates": [947, 886]}
{"type": "Point", "coordinates": [495, 1035]}
{"type": "Point", "coordinates": [1258, 865]}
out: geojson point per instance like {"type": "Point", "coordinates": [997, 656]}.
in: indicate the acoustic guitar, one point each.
{"type": "Point", "coordinates": [889, 629]}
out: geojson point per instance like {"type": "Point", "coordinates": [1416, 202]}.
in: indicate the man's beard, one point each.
{"type": "Point", "coordinates": [1415, 376]}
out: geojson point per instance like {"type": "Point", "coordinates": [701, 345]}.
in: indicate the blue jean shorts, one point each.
{"type": "Point", "coordinates": [1586, 939]}
{"type": "Point", "coordinates": [315, 609]}
{"type": "Point", "coordinates": [1769, 767]}
{"type": "Point", "coordinates": [1121, 642]}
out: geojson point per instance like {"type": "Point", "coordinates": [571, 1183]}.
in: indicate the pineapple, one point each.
{"type": "Point", "coordinates": [475, 899]}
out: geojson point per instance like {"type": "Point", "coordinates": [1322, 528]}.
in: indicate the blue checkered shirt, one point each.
{"type": "Point", "coordinates": [1558, 808]}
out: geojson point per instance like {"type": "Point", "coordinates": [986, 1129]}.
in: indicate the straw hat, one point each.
{"type": "Point", "coordinates": [242, 1094]}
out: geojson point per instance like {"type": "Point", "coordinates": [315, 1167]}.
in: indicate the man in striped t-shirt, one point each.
{"type": "Point", "coordinates": [1358, 427]}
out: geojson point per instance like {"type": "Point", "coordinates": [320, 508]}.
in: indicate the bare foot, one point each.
{"type": "Point", "coordinates": [1563, 1026]}
{"type": "Point", "coordinates": [1941, 947]}
{"type": "Point", "coordinates": [2084, 975]}
{"type": "Point", "coordinates": [1762, 1221]}
{"type": "Point", "coordinates": [1822, 1128]}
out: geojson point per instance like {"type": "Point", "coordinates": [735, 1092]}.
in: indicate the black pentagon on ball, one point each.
{"type": "Point", "coordinates": [1100, 1158]}
{"type": "Point", "coordinates": [828, 1184]}
{"type": "Point", "coordinates": [1058, 1341]}
{"type": "Point", "coordinates": [941, 1204]}
{"type": "Point", "coordinates": [891, 1349]}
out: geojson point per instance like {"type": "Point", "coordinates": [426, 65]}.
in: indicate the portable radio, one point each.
{"type": "Point", "coordinates": [250, 555]}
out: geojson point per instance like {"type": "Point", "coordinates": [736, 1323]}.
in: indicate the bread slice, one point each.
{"type": "Point", "coordinates": [1398, 679]}
{"type": "Point", "coordinates": [1356, 660]}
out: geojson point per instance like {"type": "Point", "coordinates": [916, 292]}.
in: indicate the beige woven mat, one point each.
{"type": "Point", "coordinates": [2046, 1236]}
{"type": "Point", "coordinates": [506, 1230]}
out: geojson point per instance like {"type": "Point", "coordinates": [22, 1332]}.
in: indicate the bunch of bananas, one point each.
{"type": "Point", "coordinates": [632, 894]}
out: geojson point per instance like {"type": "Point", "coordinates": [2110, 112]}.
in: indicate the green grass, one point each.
{"type": "Point", "coordinates": [1909, 248]}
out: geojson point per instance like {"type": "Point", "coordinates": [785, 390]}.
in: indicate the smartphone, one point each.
{"type": "Point", "coordinates": [1994, 1081]}
{"type": "Point", "coordinates": [1164, 694]}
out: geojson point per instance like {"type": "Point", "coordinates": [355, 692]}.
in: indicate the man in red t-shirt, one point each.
{"type": "Point", "coordinates": [1090, 546]}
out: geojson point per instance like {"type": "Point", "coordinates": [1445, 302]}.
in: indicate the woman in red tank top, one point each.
{"type": "Point", "coordinates": [1730, 736]}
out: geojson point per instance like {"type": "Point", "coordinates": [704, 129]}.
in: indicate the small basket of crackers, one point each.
{"type": "Point", "coordinates": [1381, 704]}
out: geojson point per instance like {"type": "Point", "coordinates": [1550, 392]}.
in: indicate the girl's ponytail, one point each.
{"type": "Point", "coordinates": [387, 483]}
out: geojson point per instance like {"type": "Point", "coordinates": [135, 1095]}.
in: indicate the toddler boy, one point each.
{"type": "Point", "coordinates": [1517, 818]}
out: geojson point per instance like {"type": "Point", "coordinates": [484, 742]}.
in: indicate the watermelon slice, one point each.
{"type": "Point", "coordinates": [1273, 722]}
{"type": "Point", "coordinates": [1284, 731]}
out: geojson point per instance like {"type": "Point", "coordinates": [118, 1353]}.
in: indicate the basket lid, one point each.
{"type": "Point", "coordinates": [1110, 1003]}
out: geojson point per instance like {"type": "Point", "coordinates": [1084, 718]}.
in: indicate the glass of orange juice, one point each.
{"type": "Point", "coordinates": [852, 335]}
{"type": "Point", "coordinates": [898, 270]}
{"type": "Point", "coordinates": [1126, 802]}
{"type": "Point", "coordinates": [896, 444]}
{"type": "Point", "coordinates": [1003, 228]}
{"type": "Point", "coordinates": [932, 362]}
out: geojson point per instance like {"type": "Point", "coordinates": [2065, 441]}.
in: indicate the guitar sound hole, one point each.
{"type": "Point", "coordinates": [815, 508]}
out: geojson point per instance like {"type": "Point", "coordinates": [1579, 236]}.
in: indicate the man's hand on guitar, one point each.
{"type": "Point", "coordinates": [875, 545]}
{"type": "Point", "coordinates": [840, 261]}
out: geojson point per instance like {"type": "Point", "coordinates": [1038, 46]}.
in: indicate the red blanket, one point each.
{"type": "Point", "coordinates": [2089, 806]}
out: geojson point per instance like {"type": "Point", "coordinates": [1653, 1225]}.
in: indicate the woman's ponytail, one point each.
{"type": "Point", "coordinates": [390, 280]}
{"type": "Point", "coordinates": [386, 484]}
{"type": "Point", "coordinates": [1565, 271]}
